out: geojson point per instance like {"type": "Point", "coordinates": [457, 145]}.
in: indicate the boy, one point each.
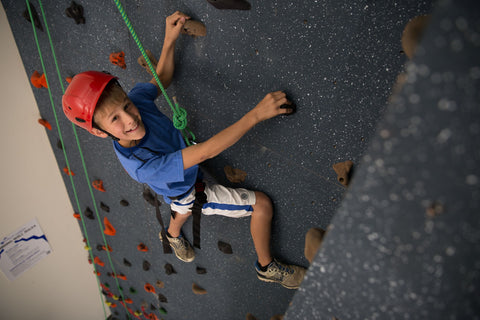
{"type": "Point", "coordinates": [152, 151]}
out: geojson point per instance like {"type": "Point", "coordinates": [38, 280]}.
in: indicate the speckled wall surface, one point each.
{"type": "Point", "coordinates": [337, 60]}
{"type": "Point", "coordinates": [405, 242]}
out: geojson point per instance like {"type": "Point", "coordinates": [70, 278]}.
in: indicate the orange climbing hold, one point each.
{"type": "Point", "coordinates": [38, 80]}
{"type": "Point", "coordinates": [142, 247]}
{"type": "Point", "coordinates": [69, 79]}
{"type": "Point", "coordinates": [151, 316]}
{"type": "Point", "coordinates": [68, 171]}
{"type": "Point", "coordinates": [98, 184]}
{"type": "Point", "coordinates": [122, 276]}
{"type": "Point", "coordinates": [99, 262]}
{"type": "Point", "coordinates": [45, 123]}
{"type": "Point", "coordinates": [77, 216]}
{"type": "Point", "coordinates": [149, 288]}
{"type": "Point", "coordinates": [118, 59]}
{"type": "Point", "coordinates": [109, 229]}
{"type": "Point", "coordinates": [107, 248]}
{"type": "Point", "coordinates": [128, 300]}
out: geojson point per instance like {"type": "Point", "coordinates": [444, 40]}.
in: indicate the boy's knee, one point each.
{"type": "Point", "coordinates": [263, 202]}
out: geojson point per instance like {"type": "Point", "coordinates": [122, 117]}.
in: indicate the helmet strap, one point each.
{"type": "Point", "coordinates": [106, 132]}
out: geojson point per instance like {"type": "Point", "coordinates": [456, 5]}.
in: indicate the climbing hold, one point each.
{"type": "Point", "coordinates": [160, 284]}
{"type": "Point", "coordinates": [122, 276]}
{"type": "Point", "coordinates": [141, 61]}
{"type": "Point", "coordinates": [138, 313]}
{"type": "Point", "coordinates": [412, 34]}
{"type": "Point", "coordinates": [124, 203]}
{"type": "Point", "coordinates": [133, 290]}
{"type": "Point", "coordinates": [169, 269]}
{"type": "Point", "coordinates": [162, 310]}
{"type": "Point", "coordinates": [68, 79]}
{"type": "Point", "coordinates": [194, 28]}
{"type": "Point", "coordinates": [128, 300]}
{"type": "Point", "coordinates": [38, 80]}
{"type": "Point", "coordinates": [250, 317]}
{"type": "Point", "coordinates": [230, 4]}
{"type": "Point", "coordinates": [201, 270]}
{"type": "Point", "coordinates": [104, 207]}
{"type": "Point", "coordinates": [313, 241]}
{"type": "Point", "coordinates": [59, 145]}
{"type": "Point", "coordinates": [99, 262]}
{"type": "Point", "coordinates": [162, 298]}
{"type": "Point", "coordinates": [151, 316]}
{"type": "Point", "coordinates": [68, 171]}
{"type": "Point", "coordinates": [142, 247]}
{"type": "Point", "coordinates": [75, 11]}
{"type": "Point", "coordinates": [343, 170]}
{"type": "Point", "coordinates": [197, 289]}
{"type": "Point", "coordinates": [146, 265]}
{"type": "Point", "coordinates": [152, 307]}
{"type": "Point", "coordinates": [86, 248]}
{"type": "Point", "coordinates": [149, 288]}
{"type": "Point", "coordinates": [234, 175]}
{"type": "Point", "coordinates": [292, 106]}
{"type": "Point", "coordinates": [127, 263]}
{"type": "Point", "coordinates": [277, 317]}
{"type": "Point", "coordinates": [36, 19]}
{"type": "Point", "coordinates": [98, 184]}
{"type": "Point", "coordinates": [108, 248]}
{"type": "Point", "coordinates": [89, 214]}
{"type": "Point", "coordinates": [118, 59]}
{"type": "Point", "coordinates": [150, 198]}
{"type": "Point", "coordinates": [77, 216]}
{"type": "Point", "coordinates": [45, 123]}
{"type": "Point", "coordinates": [109, 229]}
{"type": "Point", "coordinates": [225, 247]}
{"type": "Point", "coordinates": [434, 209]}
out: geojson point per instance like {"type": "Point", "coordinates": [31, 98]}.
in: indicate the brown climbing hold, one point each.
{"type": "Point", "coordinates": [75, 11]}
{"type": "Point", "coordinates": [160, 284]}
{"type": "Point", "coordinates": [118, 59]}
{"type": "Point", "coordinates": [45, 123]}
{"type": "Point", "coordinates": [98, 184]}
{"type": "Point", "coordinates": [36, 19]}
{"type": "Point", "coordinates": [109, 229]}
{"type": "Point", "coordinates": [89, 214]}
{"type": "Point", "coordinates": [146, 265]}
{"type": "Point", "coordinates": [197, 289]}
{"type": "Point", "coordinates": [194, 28]}
{"type": "Point", "coordinates": [99, 262]}
{"type": "Point", "coordinates": [104, 207]}
{"type": "Point", "coordinates": [225, 247]}
{"type": "Point", "coordinates": [343, 171]}
{"type": "Point", "coordinates": [38, 80]}
{"type": "Point", "coordinates": [149, 197]}
{"type": "Point", "coordinates": [162, 298]}
{"type": "Point", "coordinates": [68, 171]}
{"type": "Point", "coordinates": [201, 270]}
{"type": "Point", "coordinates": [142, 247]}
{"type": "Point", "coordinates": [250, 317]}
{"type": "Point", "coordinates": [234, 175]}
{"type": "Point", "coordinates": [169, 269]}
{"type": "Point", "coordinates": [230, 4]}
{"type": "Point", "coordinates": [277, 317]}
{"type": "Point", "coordinates": [412, 34]}
{"type": "Point", "coordinates": [149, 288]}
{"type": "Point", "coordinates": [141, 61]}
{"type": "Point", "coordinates": [77, 216]}
{"type": "Point", "coordinates": [313, 241]}
{"type": "Point", "coordinates": [124, 203]}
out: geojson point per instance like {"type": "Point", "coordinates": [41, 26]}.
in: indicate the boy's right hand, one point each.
{"type": "Point", "coordinates": [174, 25]}
{"type": "Point", "coordinates": [271, 106]}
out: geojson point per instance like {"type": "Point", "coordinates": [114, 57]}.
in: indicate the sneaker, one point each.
{"type": "Point", "coordinates": [289, 276]}
{"type": "Point", "coordinates": [182, 248]}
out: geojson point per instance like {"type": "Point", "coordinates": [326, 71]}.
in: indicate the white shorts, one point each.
{"type": "Point", "coordinates": [234, 203]}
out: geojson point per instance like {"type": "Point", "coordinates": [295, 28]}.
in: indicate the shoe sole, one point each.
{"type": "Point", "coordinates": [276, 281]}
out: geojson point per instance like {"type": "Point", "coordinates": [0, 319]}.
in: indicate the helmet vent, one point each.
{"type": "Point", "coordinates": [80, 120]}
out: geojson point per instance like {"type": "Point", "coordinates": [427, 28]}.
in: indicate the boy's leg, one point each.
{"type": "Point", "coordinates": [182, 248]}
{"type": "Point", "coordinates": [177, 220]}
{"type": "Point", "coordinates": [260, 227]}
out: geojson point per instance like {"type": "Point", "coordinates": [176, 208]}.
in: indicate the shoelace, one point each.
{"type": "Point", "coordinates": [283, 270]}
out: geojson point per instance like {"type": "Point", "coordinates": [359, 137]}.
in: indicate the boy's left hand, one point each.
{"type": "Point", "coordinates": [174, 25]}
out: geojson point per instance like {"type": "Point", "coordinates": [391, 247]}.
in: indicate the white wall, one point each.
{"type": "Point", "coordinates": [62, 286]}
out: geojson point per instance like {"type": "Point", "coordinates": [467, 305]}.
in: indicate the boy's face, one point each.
{"type": "Point", "coordinates": [122, 120]}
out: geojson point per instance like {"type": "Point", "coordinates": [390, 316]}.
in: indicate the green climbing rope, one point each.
{"type": "Point", "coordinates": [66, 157]}
{"type": "Point", "coordinates": [179, 114]}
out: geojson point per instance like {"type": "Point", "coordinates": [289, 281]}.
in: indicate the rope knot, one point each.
{"type": "Point", "coordinates": [180, 118]}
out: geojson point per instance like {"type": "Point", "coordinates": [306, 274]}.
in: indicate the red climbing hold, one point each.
{"type": "Point", "coordinates": [99, 262]}
{"type": "Point", "coordinates": [151, 316]}
{"type": "Point", "coordinates": [142, 247]}
{"type": "Point", "coordinates": [77, 216]}
{"type": "Point", "coordinates": [149, 288]}
{"type": "Point", "coordinates": [109, 229]}
{"type": "Point", "coordinates": [108, 248]}
{"type": "Point", "coordinates": [122, 276]}
{"type": "Point", "coordinates": [98, 184]}
{"type": "Point", "coordinates": [68, 171]}
{"type": "Point", "coordinates": [118, 58]}
{"type": "Point", "coordinates": [128, 300]}
{"type": "Point", "coordinates": [69, 79]}
{"type": "Point", "coordinates": [38, 80]}
{"type": "Point", "coordinates": [45, 123]}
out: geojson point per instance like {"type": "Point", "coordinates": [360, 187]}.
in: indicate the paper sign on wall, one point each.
{"type": "Point", "coordinates": [22, 249]}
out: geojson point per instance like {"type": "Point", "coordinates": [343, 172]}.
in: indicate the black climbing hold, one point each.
{"type": "Point", "coordinates": [132, 290]}
{"type": "Point", "coordinates": [99, 247]}
{"type": "Point", "coordinates": [126, 262]}
{"type": "Point", "coordinates": [152, 307]}
{"type": "Point", "coordinates": [89, 213]}
{"type": "Point", "coordinates": [201, 270]}
{"type": "Point", "coordinates": [225, 247]}
{"type": "Point", "coordinates": [104, 207]}
{"type": "Point", "coordinates": [36, 19]}
{"type": "Point", "coordinates": [292, 106]}
{"type": "Point", "coordinates": [75, 11]}
{"type": "Point", "coordinates": [162, 298]}
{"type": "Point", "coordinates": [230, 4]}
{"type": "Point", "coordinates": [59, 145]}
{"type": "Point", "coordinates": [146, 265]}
{"type": "Point", "coordinates": [124, 203]}
{"type": "Point", "coordinates": [169, 269]}
{"type": "Point", "coordinates": [149, 197]}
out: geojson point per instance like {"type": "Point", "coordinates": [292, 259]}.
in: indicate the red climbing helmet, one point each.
{"type": "Point", "coordinates": [81, 97]}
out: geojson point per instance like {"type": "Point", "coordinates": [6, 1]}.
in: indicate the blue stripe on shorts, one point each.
{"type": "Point", "coordinates": [228, 207]}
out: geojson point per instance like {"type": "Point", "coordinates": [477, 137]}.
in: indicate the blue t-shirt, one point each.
{"type": "Point", "coordinates": [157, 159]}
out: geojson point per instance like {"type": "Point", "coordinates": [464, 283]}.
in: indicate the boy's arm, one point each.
{"type": "Point", "coordinates": [166, 63]}
{"type": "Point", "coordinates": [268, 108]}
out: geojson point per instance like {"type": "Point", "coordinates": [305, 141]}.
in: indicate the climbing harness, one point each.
{"type": "Point", "coordinates": [200, 200]}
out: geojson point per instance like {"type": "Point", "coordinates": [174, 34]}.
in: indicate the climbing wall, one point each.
{"type": "Point", "coordinates": [337, 61]}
